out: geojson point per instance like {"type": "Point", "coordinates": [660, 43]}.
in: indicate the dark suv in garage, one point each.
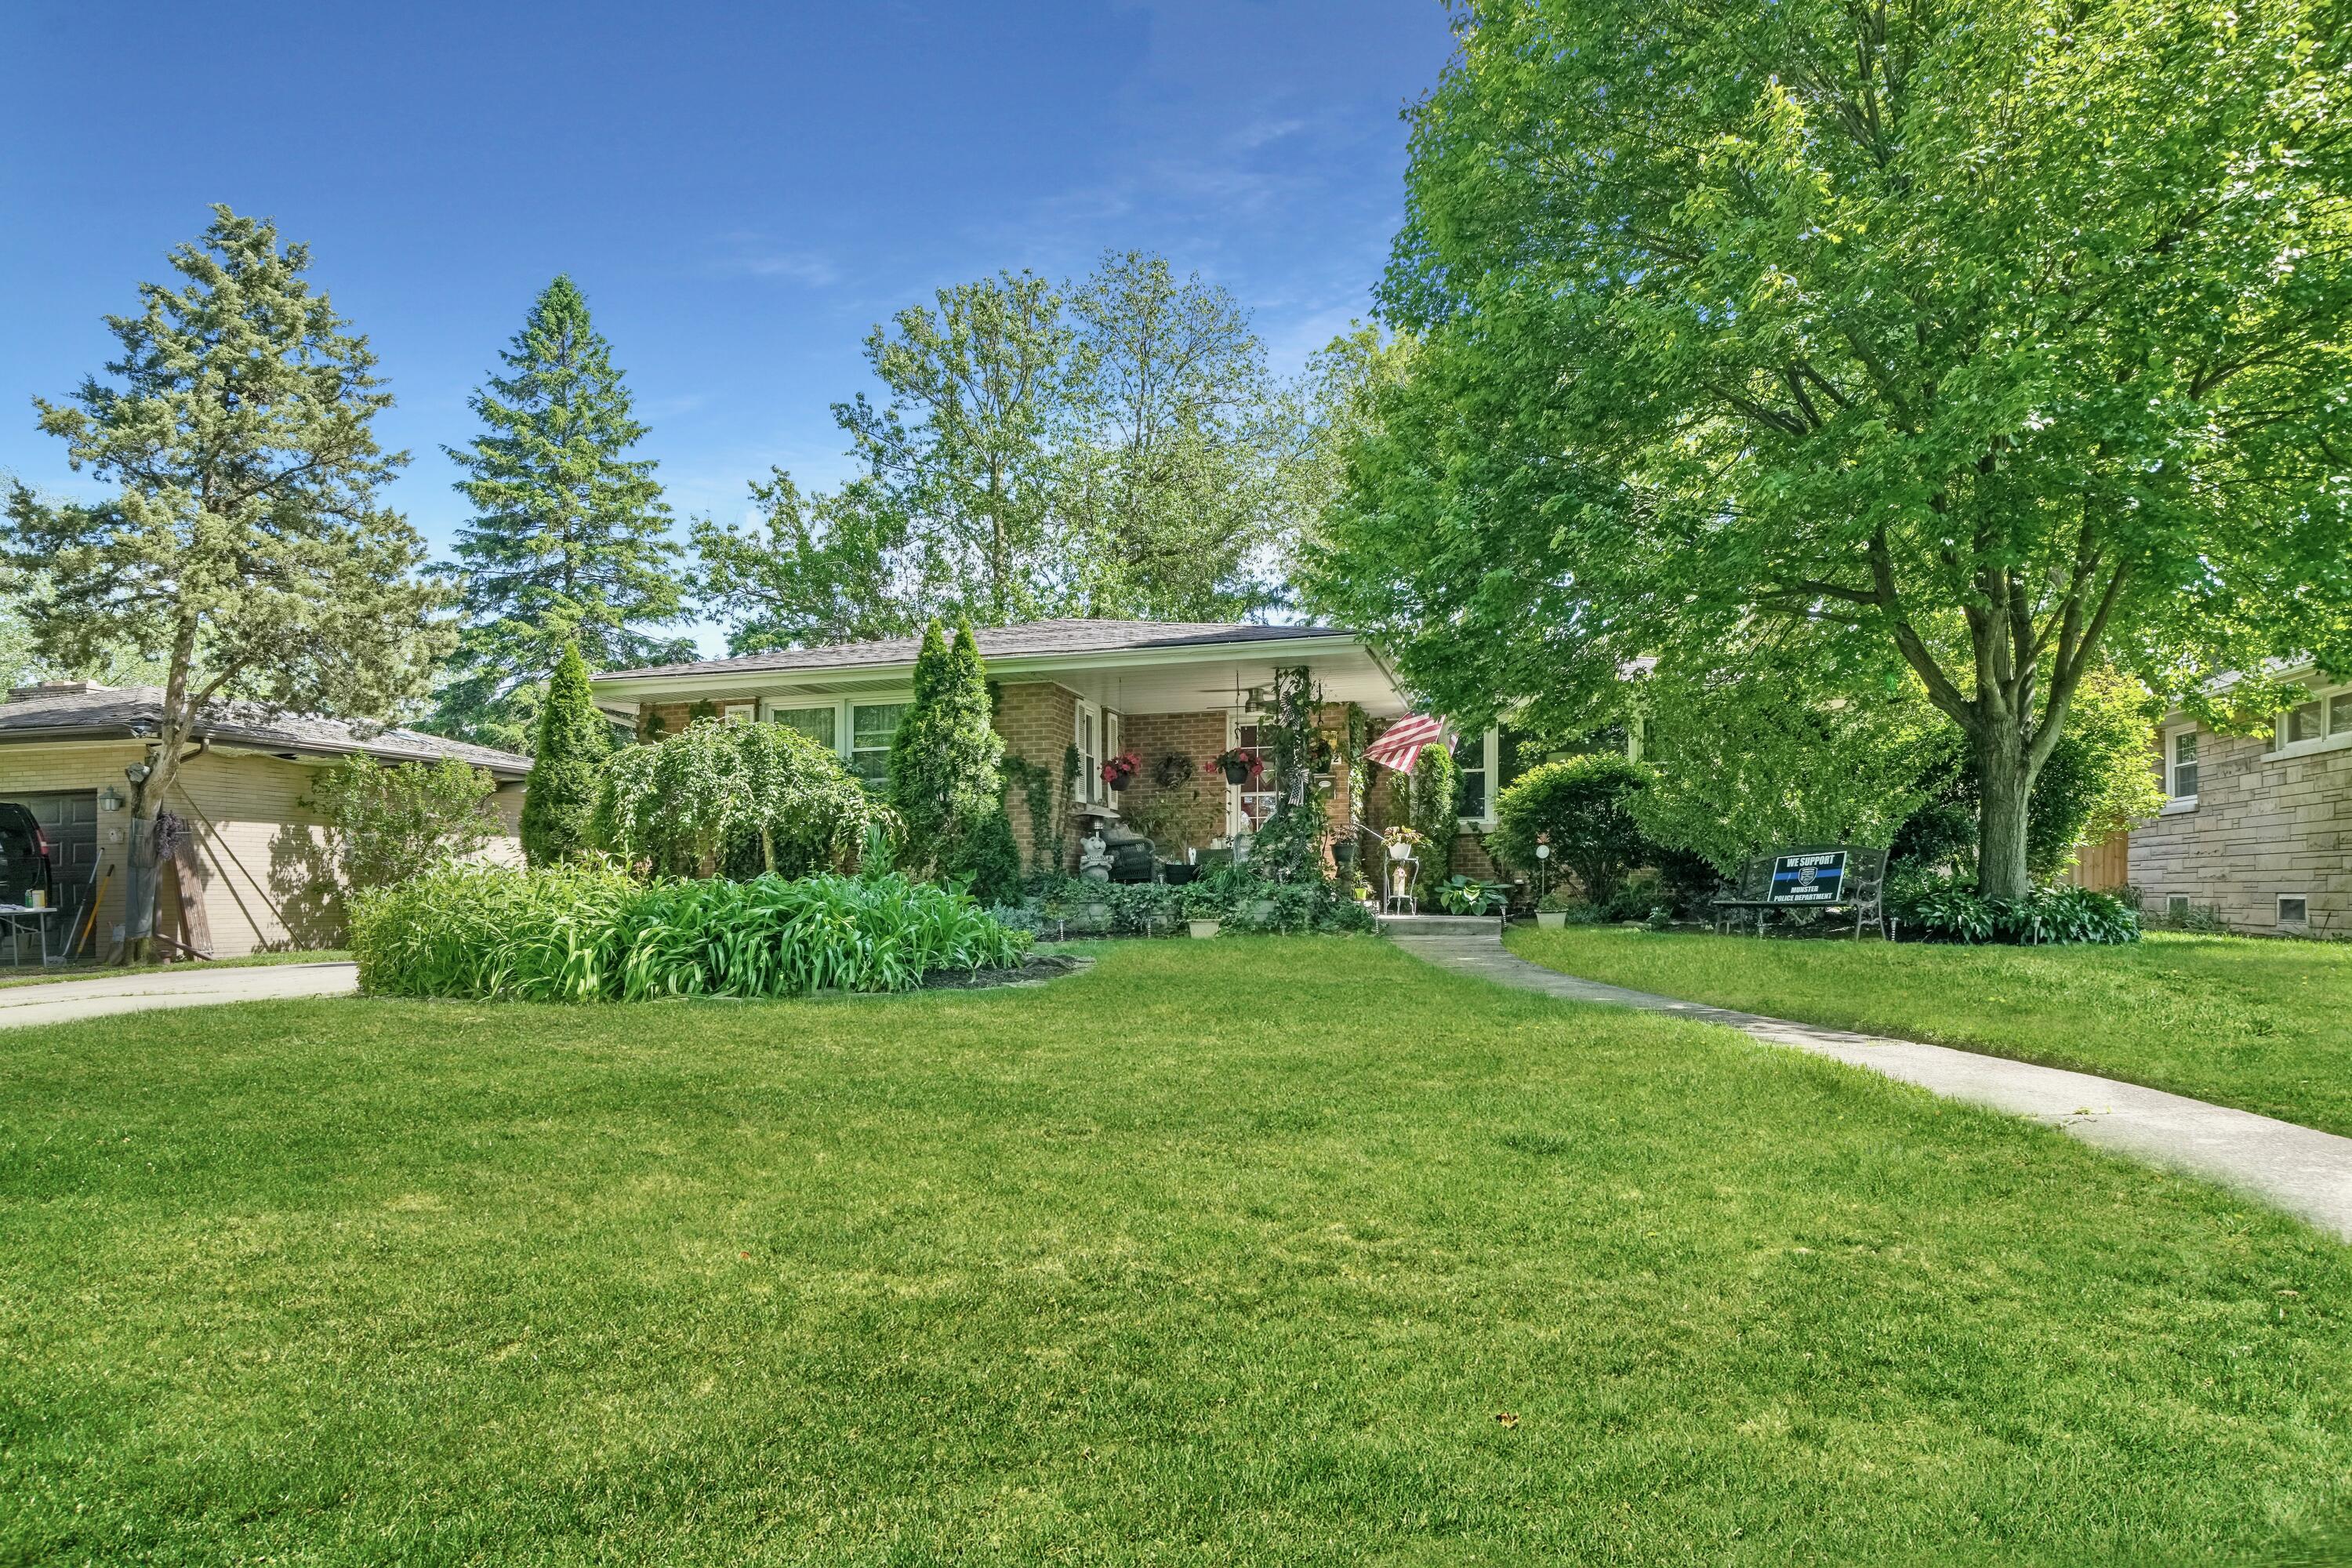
{"type": "Point", "coordinates": [24, 854]}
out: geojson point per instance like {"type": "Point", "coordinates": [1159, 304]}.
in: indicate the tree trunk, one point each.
{"type": "Point", "coordinates": [2005, 779]}
{"type": "Point", "coordinates": [138, 884]}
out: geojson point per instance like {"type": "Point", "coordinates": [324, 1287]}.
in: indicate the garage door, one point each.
{"type": "Point", "coordinates": [70, 818]}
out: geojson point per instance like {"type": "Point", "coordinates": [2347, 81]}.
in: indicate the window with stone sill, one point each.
{"type": "Point", "coordinates": [2180, 766]}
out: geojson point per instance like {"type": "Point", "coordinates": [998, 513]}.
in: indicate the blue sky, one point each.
{"type": "Point", "coordinates": [741, 191]}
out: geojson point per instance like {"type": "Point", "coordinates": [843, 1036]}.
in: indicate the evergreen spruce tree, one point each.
{"type": "Point", "coordinates": [944, 776]}
{"type": "Point", "coordinates": [243, 548]}
{"type": "Point", "coordinates": [568, 766]}
{"type": "Point", "coordinates": [569, 540]}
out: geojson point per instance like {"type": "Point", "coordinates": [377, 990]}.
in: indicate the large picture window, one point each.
{"type": "Point", "coordinates": [822, 725]}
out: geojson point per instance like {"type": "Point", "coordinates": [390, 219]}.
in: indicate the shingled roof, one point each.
{"type": "Point", "coordinates": [83, 711]}
{"type": "Point", "coordinates": [1076, 639]}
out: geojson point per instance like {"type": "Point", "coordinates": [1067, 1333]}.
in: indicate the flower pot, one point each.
{"type": "Point", "coordinates": [1202, 929]}
{"type": "Point", "coordinates": [1400, 851]}
{"type": "Point", "coordinates": [1237, 773]}
{"type": "Point", "coordinates": [1551, 919]}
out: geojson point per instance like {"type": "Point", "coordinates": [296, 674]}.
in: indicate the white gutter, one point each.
{"type": "Point", "coordinates": [1269, 651]}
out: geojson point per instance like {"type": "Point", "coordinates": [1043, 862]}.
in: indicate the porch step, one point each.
{"type": "Point", "coordinates": [1466, 926]}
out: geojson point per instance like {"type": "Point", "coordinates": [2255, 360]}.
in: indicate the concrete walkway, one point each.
{"type": "Point", "coordinates": [63, 1001]}
{"type": "Point", "coordinates": [2305, 1172]}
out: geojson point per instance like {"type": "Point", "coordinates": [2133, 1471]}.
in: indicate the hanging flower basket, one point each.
{"type": "Point", "coordinates": [1119, 772]}
{"type": "Point", "coordinates": [1238, 765]}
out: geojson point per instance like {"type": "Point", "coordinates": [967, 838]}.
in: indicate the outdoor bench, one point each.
{"type": "Point", "coordinates": [1830, 876]}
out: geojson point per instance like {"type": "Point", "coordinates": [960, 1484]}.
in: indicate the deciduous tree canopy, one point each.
{"type": "Point", "coordinates": [1992, 342]}
{"type": "Point", "coordinates": [1114, 447]}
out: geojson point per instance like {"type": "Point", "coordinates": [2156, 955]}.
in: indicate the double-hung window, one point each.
{"type": "Point", "coordinates": [871, 726]}
{"type": "Point", "coordinates": [1474, 796]}
{"type": "Point", "coordinates": [2180, 766]}
{"type": "Point", "coordinates": [738, 713]}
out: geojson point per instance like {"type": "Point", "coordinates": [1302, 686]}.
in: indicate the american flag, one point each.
{"type": "Point", "coordinates": [1400, 745]}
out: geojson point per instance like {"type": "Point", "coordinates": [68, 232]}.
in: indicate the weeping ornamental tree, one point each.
{"type": "Point", "coordinates": [1985, 342]}
{"type": "Point", "coordinates": [242, 548]}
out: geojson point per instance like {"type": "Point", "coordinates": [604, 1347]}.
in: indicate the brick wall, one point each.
{"type": "Point", "coordinates": [1198, 738]}
{"type": "Point", "coordinates": [2260, 828]}
{"type": "Point", "coordinates": [260, 851]}
{"type": "Point", "coordinates": [674, 717]}
{"type": "Point", "coordinates": [1039, 722]}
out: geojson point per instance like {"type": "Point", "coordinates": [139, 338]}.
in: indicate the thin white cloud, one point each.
{"type": "Point", "coordinates": [809, 268]}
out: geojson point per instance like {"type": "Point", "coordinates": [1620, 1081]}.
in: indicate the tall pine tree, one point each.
{"type": "Point", "coordinates": [567, 767]}
{"type": "Point", "coordinates": [569, 537]}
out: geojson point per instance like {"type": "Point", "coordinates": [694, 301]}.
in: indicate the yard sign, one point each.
{"type": "Point", "coordinates": [1816, 878]}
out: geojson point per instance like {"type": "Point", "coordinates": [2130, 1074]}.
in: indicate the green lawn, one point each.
{"type": "Point", "coordinates": [34, 974]}
{"type": "Point", "coordinates": [2262, 1026]}
{"type": "Point", "coordinates": [1224, 1252]}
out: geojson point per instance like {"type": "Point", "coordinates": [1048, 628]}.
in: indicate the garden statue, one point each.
{"type": "Point", "coordinates": [1094, 857]}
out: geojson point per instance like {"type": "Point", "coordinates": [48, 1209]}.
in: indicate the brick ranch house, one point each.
{"type": "Point", "coordinates": [1175, 694]}
{"type": "Point", "coordinates": [250, 877]}
{"type": "Point", "coordinates": [2255, 831]}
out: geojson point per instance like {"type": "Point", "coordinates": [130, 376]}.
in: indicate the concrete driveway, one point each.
{"type": "Point", "coordinates": [63, 1001]}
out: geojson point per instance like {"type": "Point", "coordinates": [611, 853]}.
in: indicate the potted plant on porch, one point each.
{"type": "Point", "coordinates": [1238, 763]}
{"type": "Point", "coordinates": [1120, 771]}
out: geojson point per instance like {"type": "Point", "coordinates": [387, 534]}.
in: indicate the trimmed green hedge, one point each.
{"type": "Point", "coordinates": [585, 934]}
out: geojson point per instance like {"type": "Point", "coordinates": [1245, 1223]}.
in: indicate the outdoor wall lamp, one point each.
{"type": "Point", "coordinates": [109, 799]}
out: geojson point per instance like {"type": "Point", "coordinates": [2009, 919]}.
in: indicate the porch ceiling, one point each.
{"type": "Point", "coordinates": [1346, 675]}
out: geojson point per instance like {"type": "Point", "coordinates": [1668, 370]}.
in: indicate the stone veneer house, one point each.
{"type": "Point", "coordinates": [1161, 691]}
{"type": "Point", "coordinates": [2256, 830]}
{"type": "Point", "coordinates": [253, 875]}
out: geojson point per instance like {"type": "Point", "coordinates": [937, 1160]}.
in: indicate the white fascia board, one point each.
{"type": "Point", "coordinates": [743, 683]}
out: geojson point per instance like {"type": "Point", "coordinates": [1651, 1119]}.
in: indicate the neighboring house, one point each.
{"type": "Point", "coordinates": [254, 877]}
{"type": "Point", "coordinates": [1172, 693]}
{"type": "Point", "coordinates": [2256, 831]}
